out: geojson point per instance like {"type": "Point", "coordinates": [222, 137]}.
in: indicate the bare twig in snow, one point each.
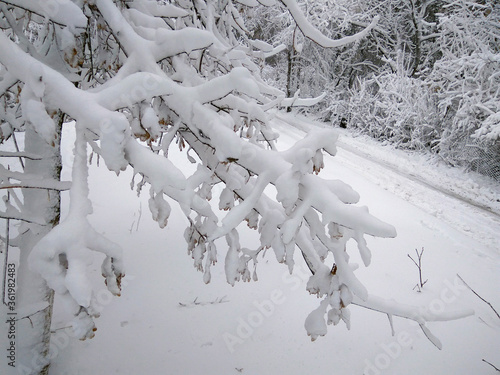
{"type": "Point", "coordinates": [481, 298]}
{"type": "Point", "coordinates": [136, 223]}
{"type": "Point", "coordinates": [139, 218]}
{"type": "Point", "coordinates": [421, 283]}
{"type": "Point", "coordinates": [491, 364]}
{"type": "Point", "coordinates": [199, 303]}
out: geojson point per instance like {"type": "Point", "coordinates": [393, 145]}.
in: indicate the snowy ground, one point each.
{"type": "Point", "coordinates": [167, 321]}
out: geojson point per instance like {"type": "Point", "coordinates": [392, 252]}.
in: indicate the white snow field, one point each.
{"type": "Point", "coordinates": [167, 321]}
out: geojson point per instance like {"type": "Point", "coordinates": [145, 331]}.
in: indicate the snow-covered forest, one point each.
{"type": "Point", "coordinates": [201, 113]}
{"type": "Point", "coordinates": [426, 77]}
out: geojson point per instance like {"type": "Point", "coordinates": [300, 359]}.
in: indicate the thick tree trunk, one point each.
{"type": "Point", "coordinates": [34, 298]}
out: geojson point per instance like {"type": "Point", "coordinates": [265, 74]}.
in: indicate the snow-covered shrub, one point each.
{"type": "Point", "coordinates": [396, 108]}
{"type": "Point", "coordinates": [465, 82]}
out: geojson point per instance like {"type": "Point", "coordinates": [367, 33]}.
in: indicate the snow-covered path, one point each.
{"type": "Point", "coordinates": [469, 218]}
{"type": "Point", "coordinates": [168, 322]}
{"type": "Point", "coordinates": [450, 196]}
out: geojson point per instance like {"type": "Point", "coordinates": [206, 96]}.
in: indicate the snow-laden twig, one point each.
{"type": "Point", "coordinates": [315, 35]}
{"type": "Point", "coordinates": [27, 180]}
{"type": "Point", "coordinates": [417, 314]}
{"type": "Point", "coordinates": [14, 154]}
{"type": "Point", "coordinates": [64, 13]}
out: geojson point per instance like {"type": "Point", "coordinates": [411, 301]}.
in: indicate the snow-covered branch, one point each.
{"type": "Point", "coordinates": [315, 35]}
{"type": "Point", "coordinates": [61, 256]}
{"type": "Point", "coordinates": [62, 12]}
{"type": "Point", "coordinates": [417, 314]}
{"type": "Point", "coordinates": [155, 82]}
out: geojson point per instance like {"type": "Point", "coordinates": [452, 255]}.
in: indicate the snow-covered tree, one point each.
{"type": "Point", "coordinates": [134, 78]}
{"type": "Point", "coordinates": [309, 65]}
{"type": "Point", "coordinates": [424, 78]}
{"type": "Point", "coordinates": [465, 81]}
{"type": "Point", "coordinates": [396, 108]}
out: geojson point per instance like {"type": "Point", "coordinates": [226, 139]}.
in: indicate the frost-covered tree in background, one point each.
{"type": "Point", "coordinates": [309, 65]}
{"type": "Point", "coordinates": [135, 78]}
{"type": "Point", "coordinates": [444, 52]}
{"type": "Point", "coordinates": [404, 37]}
{"type": "Point", "coordinates": [465, 82]}
{"type": "Point", "coordinates": [442, 92]}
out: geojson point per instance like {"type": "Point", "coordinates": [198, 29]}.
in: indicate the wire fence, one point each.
{"type": "Point", "coordinates": [473, 154]}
